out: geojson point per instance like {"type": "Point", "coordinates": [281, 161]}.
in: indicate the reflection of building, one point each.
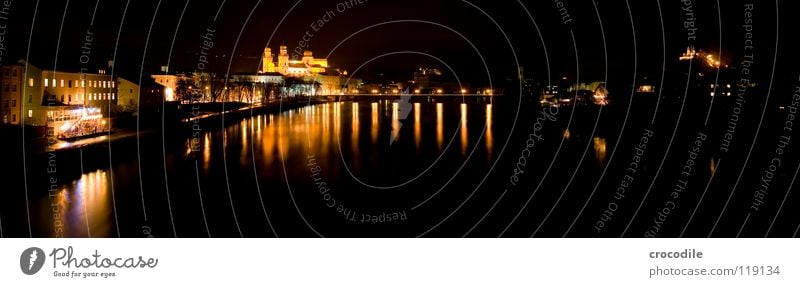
{"type": "Point", "coordinates": [57, 100]}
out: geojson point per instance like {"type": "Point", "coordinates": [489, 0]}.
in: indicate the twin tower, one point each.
{"type": "Point", "coordinates": [305, 66]}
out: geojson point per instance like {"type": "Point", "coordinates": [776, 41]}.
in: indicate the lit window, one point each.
{"type": "Point", "coordinates": [30, 82]}
{"type": "Point", "coordinates": [30, 114]}
{"type": "Point", "coordinates": [83, 83]}
{"type": "Point", "coordinates": [45, 83]}
{"type": "Point", "coordinates": [62, 83]}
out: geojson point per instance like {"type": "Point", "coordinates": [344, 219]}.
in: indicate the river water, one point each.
{"type": "Point", "coordinates": [366, 168]}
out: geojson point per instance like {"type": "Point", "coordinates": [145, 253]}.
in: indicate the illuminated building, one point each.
{"type": "Point", "coordinates": [691, 53]}
{"type": "Point", "coordinates": [128, 95]}
{"type": "Point", "coordinates": [57, 101]}
{"type": "Point", "coordinates": [306, 66]}
{"type": "Point", "coordinates": [170, 84]}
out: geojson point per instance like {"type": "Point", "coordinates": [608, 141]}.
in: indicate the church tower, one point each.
{"type": "Point", "coordinates": [267, 61]}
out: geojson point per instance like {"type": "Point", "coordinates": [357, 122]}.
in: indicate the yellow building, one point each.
{"type": "Point", "coordinates": [128, 98]}
{"type": "Point", "coordinates": [306, 66]}
{"type": "Point", "coordinates": [63, 104]}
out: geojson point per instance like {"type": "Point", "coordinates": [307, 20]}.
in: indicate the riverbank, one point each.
{"type": "Point", "coordinates": [175, 118]}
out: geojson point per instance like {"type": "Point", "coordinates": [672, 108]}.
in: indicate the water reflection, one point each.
{"type": "Point", "coordinates": [417, 125]}
{"type": "Point", "coordinates": [463, 128]}
{"type": "Point", "coordinates": [395, 120]}
{"type": "Point", "coordinates": [81, 208]}
{"type": "Point", "coordinates": [269, 142]}
{"type": "Point", "coordinates": [375, 123]}
{"type": "Point", "coordinates": [600, 149]}
{"type": "Point", "coordinates": [489, 133]}
{"type": "Point", "coordinates": [439, 125]}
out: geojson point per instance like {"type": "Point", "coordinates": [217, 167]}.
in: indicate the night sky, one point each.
{"type": "Point", "coordinates": [258, 20]}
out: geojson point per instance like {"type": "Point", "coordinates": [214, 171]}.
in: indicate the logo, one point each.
{"type": "Point", "coordinates": [31, 260]}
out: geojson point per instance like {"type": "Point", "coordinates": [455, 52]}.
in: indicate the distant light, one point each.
{"type": "Point", "coordinates": [170, 94]}
{"type": "Point", "coordinates": [463, 91]}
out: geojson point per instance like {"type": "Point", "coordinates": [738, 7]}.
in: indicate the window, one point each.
{"type": "Point", "coordinates": [30, 114]}
{"type": "Point", "coordinates": [70, 83]}
{"type": "Point", "coordinates": [112, 96]}
{"type": "Point", "coordinates": [30, 99]}
{"type": "Point", "coordinates": [83, 83]}
{"type": "Point", "coordinates": [13, 103]}
{"type": "Point", "coordinates": [70, 98]}
{"type": "Point", "coordinates": [46, 83]}
{"type": "Point", "coordinates": [62, 83]}
{"type": "Point", "coordinates": [62, 98]}
{"type": "Point", "coordinates": [14, 118]}
{"type": "Point", "coordinates": [30, 82]}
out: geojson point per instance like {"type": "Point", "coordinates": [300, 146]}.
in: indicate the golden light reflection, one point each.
{"type": "Point", "coordinates": [417, 125]}
{"type": "Point", "coordinates": [489, 134]}
{"type": "Point", "coordinates": [268, 142]}
{"type": "Point", "coordinates": [207, 152]}
{"type": "Point", "coordinates": [600, 149]}
{"type": "Point", "coordinates": [82, 208]}
{"type": "Point", "coordinates": [245, 146]}
{"type": "Point", "coordinates": [463, 128]}
{"type": "Point", "coordinates": [374, 123]}
{"type": "Point", "coordinates": [567, 134]}
{"type": "Point", "coordinates": [395, 120]}
{"type": "Point", "coordinates": [439, 125]}
{"type": "Point", "coordinates": [355, 128]}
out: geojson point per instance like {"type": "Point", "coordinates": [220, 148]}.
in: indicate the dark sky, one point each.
{"type": "Point", "coordinates": [442, 43]}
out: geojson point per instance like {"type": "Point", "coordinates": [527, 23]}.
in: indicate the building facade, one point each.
{"type": "Point", "coordinates": [64, 104]}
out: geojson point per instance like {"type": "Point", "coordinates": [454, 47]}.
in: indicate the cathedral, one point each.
{"type": "Point", "coordinates": [307, 66]}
